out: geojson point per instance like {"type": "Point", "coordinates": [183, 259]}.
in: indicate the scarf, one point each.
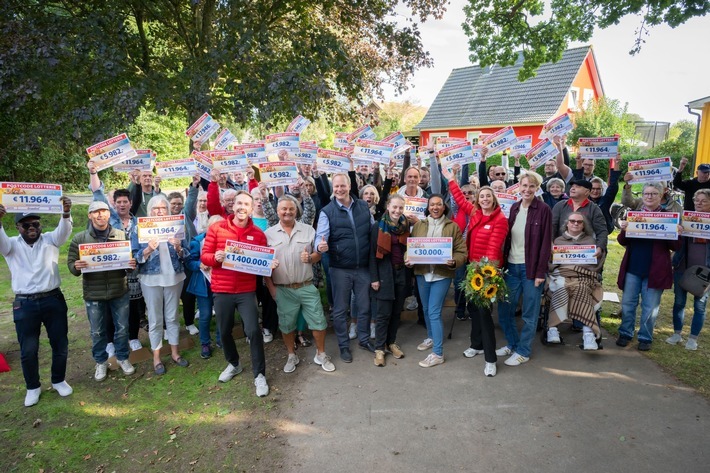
{"type": "Point", "coordinates": [386, 230]}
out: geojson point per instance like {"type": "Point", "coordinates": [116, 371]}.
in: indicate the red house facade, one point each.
{"type": "Point", "coordinates": [476, 100]}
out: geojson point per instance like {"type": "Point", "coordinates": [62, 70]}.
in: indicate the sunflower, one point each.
{"type": "Point", "coordinates": [477, 282]}
{"type": "Point", "coordinates": [491, 292]}
{"type": "Point", "coordinates": [489, 271]}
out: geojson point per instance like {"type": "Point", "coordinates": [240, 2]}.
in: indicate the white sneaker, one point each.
{"type": "Point", "coordinates": [230, 372]}
{"type": "Point", "coordinates": [426, 344]}
{"type": "Point", "coordinates": [268, 336]}
{"type": "Point", "coordinates": [291, 363]}
{"type": "Point", "coordinates": [674, 339]}
{"type": "Point", "coordinates": [63, 388]}
{"type": "Point", "coordinates": [192, 330]}
{"type": "Point", "coordinates": [431, 360]}
{"type": "Point", "coordinates": [471, 352]}
{"type": "Point", "coordinates": [127, 367]}
{"type": "Point", "coordinates": [490, 369]}
{"type": "Point", "coordinates": [691, 344]}
{"type": "Point", "coordinates": [262, 389]}
{"type": "Point", "coordinates": [324, 361]}
{"type": "Point", "coordinates": [516, 359]}
{"type": "Point", "coordinates": [197, 314]}
{"type": "Point", "coordinates": [32, 397]}
{"type": "Point", "coordinates": [504, 351]}
{"type": "Point", "coordinates": [412, 303]}
{"type": "Point", "coordinates": [135, 345]}
{"type": "Point", "coordinates": [553, 335]}
{"type": "Point", "coordinates": [110, 349]}
{"type": "Point", "coordinates": [589, 341]}
{"type": "Point", "coordinates": [353, 331]}
{"type": "Point", "coordinates": [101, 371]}
{"type": "Point", "coordinates": [372, 331]}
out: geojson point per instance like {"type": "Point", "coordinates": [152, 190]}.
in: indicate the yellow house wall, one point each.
{"type": "Point", "coordinates": [703, 155]}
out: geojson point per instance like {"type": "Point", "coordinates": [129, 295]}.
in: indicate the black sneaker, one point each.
{"type": "Point", "coordinates": [622, 341]}
{"type": "Point", "coordinates": [345, 355]}
{"type": "Point", "coordinates": [206, 351]}
{"type": "Point", "coordinates": [644, 346]}
{"type": "Point", "coordinates": [462, 317]}
{"type": "Point", "coordinates": [368, 346]}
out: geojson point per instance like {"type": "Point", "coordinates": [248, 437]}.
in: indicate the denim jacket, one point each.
{"type": "Point", "coordinates": [152, 264]}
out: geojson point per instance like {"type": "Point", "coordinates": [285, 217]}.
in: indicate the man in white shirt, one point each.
{"type": "Point", "coordinates": [33, 259]}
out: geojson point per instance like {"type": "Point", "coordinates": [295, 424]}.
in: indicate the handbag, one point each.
{"type": "Point", "coordinates": [696, 280]}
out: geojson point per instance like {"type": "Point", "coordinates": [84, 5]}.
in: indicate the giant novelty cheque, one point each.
{"type": "Point", "coordinates": [24, 197]}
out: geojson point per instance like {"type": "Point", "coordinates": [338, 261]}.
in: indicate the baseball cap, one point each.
{"type": "Point", "coordinates": [97, 205]}
{"type": "Point", "coordinates": [21, 217]}
{"type": "Point", "coordinates": [583, 183]}
{"type": "Point", "coordinates": [704, 168]}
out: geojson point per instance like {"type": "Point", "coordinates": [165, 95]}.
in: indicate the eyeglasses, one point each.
{"type": "Point", "coordinates": [575, 222]}
{"type": "Point", "coordinates": [651, 194]}
{"type": "Point", "coordinates": [28, 225]}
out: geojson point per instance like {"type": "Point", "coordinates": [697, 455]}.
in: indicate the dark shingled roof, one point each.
{"type": "Point", "coordinates": [475, 96]}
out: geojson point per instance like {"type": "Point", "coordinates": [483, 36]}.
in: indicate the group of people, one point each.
{"type": "Point", "coordinates": [348, 231]}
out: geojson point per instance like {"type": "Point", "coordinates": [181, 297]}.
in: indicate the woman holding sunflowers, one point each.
{"type": "Point", "coordinates": [487, 230]}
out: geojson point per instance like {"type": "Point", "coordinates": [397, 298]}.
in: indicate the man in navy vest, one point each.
{"type": "Point", "coordinates": [344, 233]}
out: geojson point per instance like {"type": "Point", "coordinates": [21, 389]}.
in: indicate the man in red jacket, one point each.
{"type": "Point", "coordinates": [236, 290]}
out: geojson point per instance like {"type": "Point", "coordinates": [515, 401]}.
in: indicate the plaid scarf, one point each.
{"type": "Point", "coordinates": [386, 230]}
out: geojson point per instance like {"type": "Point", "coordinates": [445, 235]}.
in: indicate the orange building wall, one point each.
{"type": "Point", "coordinates": [533, 130]}
{"type": "Point", "coordinates": [582, 81]}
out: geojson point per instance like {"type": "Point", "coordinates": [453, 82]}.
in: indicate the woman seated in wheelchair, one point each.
{"type": "Point", "coordinates": [574, 291]}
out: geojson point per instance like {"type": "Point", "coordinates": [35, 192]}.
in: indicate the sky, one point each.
{"type": "Point", "coordinates": [672, 69]}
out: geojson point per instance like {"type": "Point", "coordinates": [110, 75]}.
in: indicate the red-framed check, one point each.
{"type": "Point", "coordinates": [696, 224]}
{"type": "Point", "coordinates": [598, 148]}
{"type": "Point", "coordinates": [415, 207]}
{"type": "Point", "coordinates": [110, 152]}
{"type": "Point", "coordinates": [574, 254]}
{"type": "Point", "coordinates": [653, 225]}
{"type": "Point", "coordinates": [506, 201]}
{"type": "Point", "coordinates": [23, 197]}
{"type": "Point", "coordinates": [162, 228]}
{"type": "Point", "coordinates": [429, 250]}
{"type": "Point", "coordinates": [105, 256]}
{"type": "Point", "coordinates": [650, 170]}
{"type": "Point", "coordinates": [247, 258]}
{"type": "Point", "coordinates": [278, 173]}
{"type": "Point", "coordinates": [176, 168]}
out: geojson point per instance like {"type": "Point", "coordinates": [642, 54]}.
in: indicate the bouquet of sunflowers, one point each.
{"type": "Point", "coordinates": [484, 283]}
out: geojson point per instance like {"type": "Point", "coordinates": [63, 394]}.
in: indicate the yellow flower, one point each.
{"type": "Point", "coordinates": [489, 271]}
{"type": "Point", "coordinates": [491, 292]}
{"type": "Point", "coordinates": [477, 282]}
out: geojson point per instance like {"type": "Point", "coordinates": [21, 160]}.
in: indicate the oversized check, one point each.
{"type": "Point", "coordinates": [558, 127]}
{"type": "Point", "coordinates": [362, 133]}
{"type": "Point", "coordinates": [696, 224]}
{"type": "Point", "coordinates": [247, 258]}
{"type": "Point", "coordinates": [162, 228]}
{"type": "Point", "coordinates": [176, 168]}
{"type": "Point", "coordinates": [298, 124]}
{"type": "Point", "coordinates": [574, 254]}
{"type": "Point", "coordinates": [506, 201]}
{"type": "Point", "coordinates": [401, 144]}
{"type": "Point", "coordinates": [278, 173]}
{"type": "Point", "coordinates": [224, 139]}
{"type": "Point", "coordinates": [255, 153]}
{"type": "Point", "coordinates": [288, 142]}
{"type": "Point", "coordinates": [541, 153]}
{"type": "Point", "coordinates": [443, 142]}
{"type": "Point", "coordinates": [375, 151]}
{"type": "Point", "coordinates": [24, 197]}
{"type": "Point", "coordinates": [331, 161]}
{"type": "Point", "coordinates": [429, 250]}
{"type": "Point", "coordinates": [598, 148]}
{"type": "Point", "coordinates": [143, 161]}
{"type": "Point", "coordinates": [201, 131]}
{"type": "Point", "coordinates": [229, 161]}
{"type": "Point", "coordinates": [341, 139]}
{"type": "Point", "coordinates": [460, 153]}
{"type": "Point", "coordinates": [307, 153]}
{"type": "Point", "coordinates": [415, 207]}
{"type": "Point", "coordinates": [105, 256]}
{"type": "Point", "coordinates": [650, 170]}
{"type": "Point", "coordinates": [500, 140]}
{"type": "Point", "coordinates": [522, 145]}
{"type": "Point", "coordinates": [203, 164]}
{"type": "Point", "coordinates": [110, 152]}
{"type": "Point", "coordinates": [653, 225]}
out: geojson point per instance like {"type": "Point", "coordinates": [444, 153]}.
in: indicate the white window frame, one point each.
{"type": "Point", "coordinates": [473, 135]}
{"type": "Point", "coordinates": [587, 95]}
{"type": "Point", "coordinates": [573, 99]}
{"type": "Point", "coordinates": [434, 135]}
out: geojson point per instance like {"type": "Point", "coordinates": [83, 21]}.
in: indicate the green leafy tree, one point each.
{"type": "Point", "coordinates": [498, 29]}
{"type": "Point", "coordinates": [603, 117]}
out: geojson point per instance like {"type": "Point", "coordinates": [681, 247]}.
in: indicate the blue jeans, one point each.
{"type": "Point", "coordinates": [345, 282]}
{"type": "Point", "coordinates": [204, 304]}
{"type": "Point", "coordinates": [650, 303]}
{"type": "Point", "coordinates": [518, 283]}
{"type": "Point", "coordinates": [97, 311]}
{"type": "Point", "coordinates": [699, 304]}
{"type": "Point", "coordinates": [29, 315]}
{"type": "Point", "coordinates": [433, 295]}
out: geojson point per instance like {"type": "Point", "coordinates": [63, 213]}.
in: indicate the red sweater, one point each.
{"type": "Point", "coordinates": [226, 280]}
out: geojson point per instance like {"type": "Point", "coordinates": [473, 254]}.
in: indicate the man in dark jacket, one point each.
{"type": "Point", "coordinates": [690, 186]}
{"type": "Point", "coordinates": [105, 291]}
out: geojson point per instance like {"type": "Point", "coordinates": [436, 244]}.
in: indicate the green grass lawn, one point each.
{"type": "Point", "coordinates": [183, 421]}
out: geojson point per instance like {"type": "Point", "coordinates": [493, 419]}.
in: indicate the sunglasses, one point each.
{"type": "Point", "coordinates": [575, 222]}
{"type": "Point", "coordinates": [500, 174]}
{"type": "Point", "coordinates": [28, 225]}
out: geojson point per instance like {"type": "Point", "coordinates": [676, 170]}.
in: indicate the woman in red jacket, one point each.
{"type": "Point", "coordinates": [487, 230]}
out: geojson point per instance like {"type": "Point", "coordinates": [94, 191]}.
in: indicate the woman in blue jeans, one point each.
{"type": "Point", "coordinates": [433, 280]}
{"type": "Point", "coordinates": [695, 251]}
{"type": "Point", "coordinates": [527, 252]}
